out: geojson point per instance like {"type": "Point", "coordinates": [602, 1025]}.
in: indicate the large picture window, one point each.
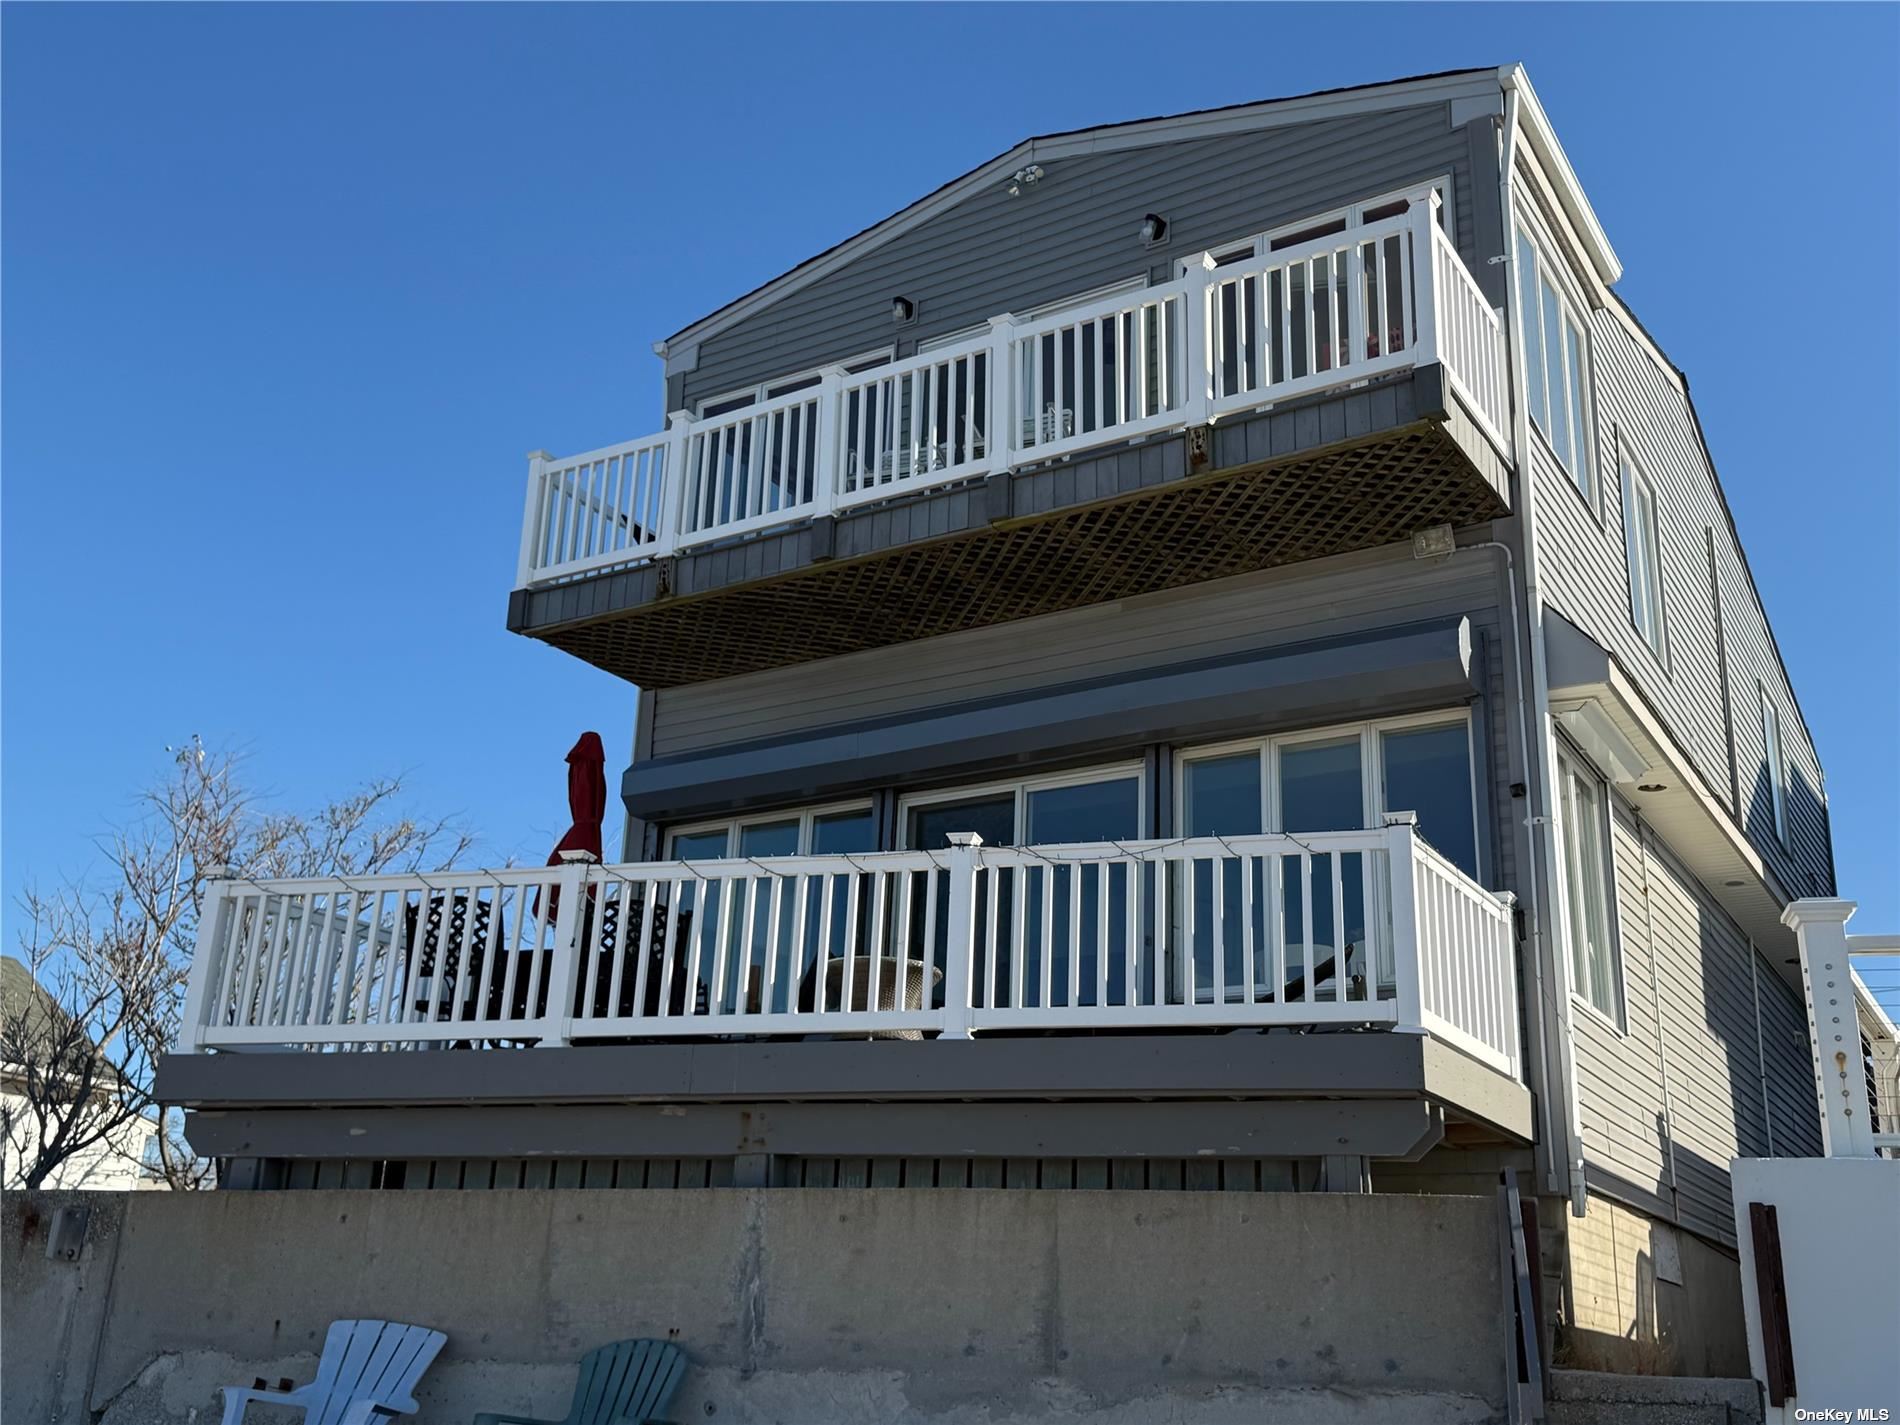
{"type": "Point", "coordinates": [1586, 846]}
{"type": "Point", "coordinates": [1333, 779]}
{"type": "Point", "coordinates": [1556, 376]}
{"type": "Point", "coordinates": [1773, 768]}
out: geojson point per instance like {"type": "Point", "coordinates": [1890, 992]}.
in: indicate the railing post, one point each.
{"type": "Point", "coordinates": [959, 951]}
{"type": "Point", "coordinates": [1827, 980]}
{"type": "Point", "coordinates": [214, 924]}
{"type": "Point", "coordinates": [1197, 356]}
{"type": "Point", "coordinates": [828, 479]}
{"type": "Point", "coordinates": [531, 516]}
{"type": "Point", "coordinates": [1507, 984]}
{"type": "Point", "coordinates": [1401, 830]}
{"type": "Point", "coordinates": [1425, 270]}
{"type": "Point", "coordinates": [679, 437]}
{"type": "Point", "coordinates": [564, 972]}
{"type": "Point", "coordinates": [1005, 435]}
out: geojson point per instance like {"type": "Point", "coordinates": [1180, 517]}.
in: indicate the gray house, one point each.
{"type": "Point", "coordinates": [1206, 653]}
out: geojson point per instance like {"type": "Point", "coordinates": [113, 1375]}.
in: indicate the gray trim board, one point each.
{"type": "Point", "coordinates": [1392, 1128]}
{"type": "Point", "coordinates": [1333, 680]}
{"type": "Point", "coordinates": [1157, 1066]}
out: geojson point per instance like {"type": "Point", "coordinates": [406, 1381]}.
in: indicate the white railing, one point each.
{"type": "Point", "coordinates": [1856, 1047]}
{"type": "Point", "coordinates": [1215, 343]}
{"type": "Point", "coordinates": [1251, 930]}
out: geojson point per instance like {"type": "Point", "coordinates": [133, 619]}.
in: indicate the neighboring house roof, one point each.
{"type": "Point", "coordinates": [1443, 86]}
{"type": "Point", "coordinates": [25, 998]}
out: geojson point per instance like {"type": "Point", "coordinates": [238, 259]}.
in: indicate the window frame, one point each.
{"type": "Point", "coordinates": [1572, 310]}
{"type": "Point", "coordinates": [1371, 769]}
{"type": "Point", "coordinates": [755, 394]}
{"type": "Point", "coordinates": [1573, 763]}
{"type": "Point", "coordinates": [1021, 787]}
{"type": "Point", "coordinates": [1261, 243]}
{"type": "Point", "coordinates": [1635, 480]}
{"type": "Point", "coordinates": [805, 816]}
{"type": "Point", "coordinates": [1774, 757]}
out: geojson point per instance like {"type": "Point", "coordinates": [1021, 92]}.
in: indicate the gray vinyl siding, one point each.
{"type": "Point", "coordinates": [1075, 230]}
{"type": "Point", "coordinates": [1698, 1075]}
{"type": "Point", "coordinates": [1330, 598]}
{"type": "Point", "coordinates": [1585, 575]}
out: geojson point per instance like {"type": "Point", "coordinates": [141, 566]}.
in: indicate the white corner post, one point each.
{"type": "Point", "coordinates": [1004, 436]}
{"type": "Point", "coordinates": [679, 450]}
{"type": "Point", "coordinates": [1827, 980]}
{"type": "Point", "coordinates": [827, 481]}
{"type": "Point", "coordinates": [1401, 834]}
{"type": "Point", "coordinates": [1426, 296]}
{"type": "Point", "coordinates": [570, 918]}
{"type": "Point", "coordinates": [207, 967]}
{"type": "Point", "coordinates": [959, 951]}
{"type": "Point", "coordinates": [1197, 364]}
{"type": "Point", "coordinates": [531, 516]}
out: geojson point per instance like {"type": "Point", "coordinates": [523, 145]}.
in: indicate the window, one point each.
{"type": "Point", "coordinates": [1319, 225]}
{"type": "Point", "coordinates": [785, 385]}
{"type": "Point", "coordinates": [811, 831]}
{"type": "Point", "coordinates": [1641, 545]}
{"type": "Point", "coordinates": [1773, 769]}
{"type": "Point", "coordinates": [1584, 811]}
{"type": "Point", "coordinates": [1332, 779]}
{"type": "Point", "coordinates": [1555, 372]}
{"type": "Point", "coordinates": [1100, 804]}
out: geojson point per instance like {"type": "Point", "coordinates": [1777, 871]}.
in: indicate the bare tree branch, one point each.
{"type": "Point", "coordinates": [110, 960]}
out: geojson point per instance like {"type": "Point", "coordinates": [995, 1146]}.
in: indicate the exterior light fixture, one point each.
{"type": "Point", "coordinates": [1154, 230]}
{"type": "Point", "coordinates": [903, 311]}
{"type": "Point", "coordinates": [1733, 884]}
{"type": "Point", "coordinates": [1652, 787]}
{"type": "Point", "coordinates": [1025, 177]}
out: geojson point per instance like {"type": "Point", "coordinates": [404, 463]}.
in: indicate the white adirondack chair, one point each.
{"type": "Point", "coordinates": [368, 1372]}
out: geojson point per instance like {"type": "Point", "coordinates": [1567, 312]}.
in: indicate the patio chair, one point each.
{"type": "Point", "coordinates": [627, 1383]}
{"type": "Point", "coordinates": [367, 1373]}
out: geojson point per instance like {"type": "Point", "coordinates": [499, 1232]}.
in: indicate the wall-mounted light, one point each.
{"type": "Point", "coordinates": [1652, 787]}
{"type": "Point", "coordinates": [903, 311]}
{"type": "Point", "coordinates": [1154, 230]}
{"type": "Point", "coordinates": [1026, 177]}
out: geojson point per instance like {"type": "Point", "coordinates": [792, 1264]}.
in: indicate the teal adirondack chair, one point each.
{"type": "Point", "coordinates": [368, 1373]}
{"type": "Point", "coordinates": [627, 1383]}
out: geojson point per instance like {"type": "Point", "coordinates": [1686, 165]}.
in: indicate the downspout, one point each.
{"type": "Point", "coordinates": [1540, 792]}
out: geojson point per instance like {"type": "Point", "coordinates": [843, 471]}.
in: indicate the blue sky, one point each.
{"type": "Point", "coordinates": [289, 292]}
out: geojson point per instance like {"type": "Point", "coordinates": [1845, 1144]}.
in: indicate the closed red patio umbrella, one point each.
{"type": "Point", "coordinates": [586, 803]}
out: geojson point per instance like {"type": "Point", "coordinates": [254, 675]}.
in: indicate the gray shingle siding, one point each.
{"type": "Point", "coordinates": [1350, 594]}
{"type": "Point", "coordinates": [1585, 575]}
{"type": "Point", "coordinates": [1076, 230]}
{"type": "Point", "coordinates": [1697, 1068]}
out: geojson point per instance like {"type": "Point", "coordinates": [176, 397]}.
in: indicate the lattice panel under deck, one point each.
{"type": "Point", "coordinates": [1207, 527]}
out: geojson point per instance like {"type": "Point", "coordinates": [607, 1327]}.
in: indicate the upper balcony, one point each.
{"type": "Point", "coordinates": [1333, 394]}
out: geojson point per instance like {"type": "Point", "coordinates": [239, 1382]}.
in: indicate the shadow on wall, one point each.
{"type": "Point", "coordinates": [1647, 1297]}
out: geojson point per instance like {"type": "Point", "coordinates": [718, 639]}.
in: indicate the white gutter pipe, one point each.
{"type": "Point", "coordinates": [1549, 889]}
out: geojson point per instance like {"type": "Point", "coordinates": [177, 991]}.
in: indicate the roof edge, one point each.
{"type": "Point", "coordinates": [1550, 155]}
{"type": "Point", "coordinates": [1100, 138]}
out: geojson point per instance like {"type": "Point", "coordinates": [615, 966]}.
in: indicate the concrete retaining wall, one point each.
{"type": "Point", "coordinates": [972, 1306]}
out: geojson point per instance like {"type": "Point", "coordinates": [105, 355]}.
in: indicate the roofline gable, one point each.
{"type": "Point", "coordinates": [1476, 90]}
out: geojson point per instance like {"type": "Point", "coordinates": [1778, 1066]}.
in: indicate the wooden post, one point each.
{"type": "Point", "coordinates": [679, 450]}
{"type": "Point", "coordinates": [1827, 981]}
{"type": "Point", "coordinates": [828, 478]}
{"type": "Point", "coordinates": [1004, 435]}
{"type": "Point", "coordinates": [1424, 269]}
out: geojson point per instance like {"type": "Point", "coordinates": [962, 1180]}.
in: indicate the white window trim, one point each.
{"type": "Point", "coordinates": [1258, 244]}
{"type": "Point", "coordinates": [1371, 766]}
{"type": "Point", "coordinates": [1573, 307]}
{"type": "Point", "coordinates": [758, 389]}
{"type": "Point", "coordinates": [1635, 478]}
{"type": "Point", "coordinates": [1021, 788]}
{"type": "Point", "coordinates": [1774, 757]}
{"type": "Point", "coordinates": [734, 825]}
{"type": "Point", "coordinates": [1615, 1019]}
